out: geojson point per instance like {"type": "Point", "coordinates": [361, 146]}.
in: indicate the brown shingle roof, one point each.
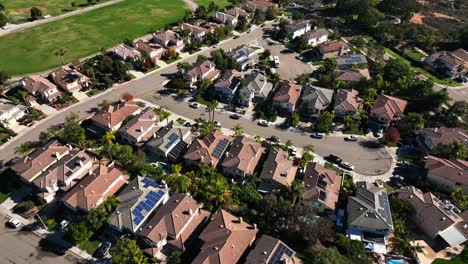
{"type": "Point", "coordinates": [270, 250]}
{"type": "Point", "coordinates": [244, 154]}
{"type": "Point", "coordinates": [225, 240]}
{"type": "Point", "coordinates": [94, 189]}
{"type": "Point", "coordinates": [316, 33]}
{"type": "Point", "coordinates": [279, 168]}
{"type": "Point", "coordinates": [322, 185]}
{"type": "Point", "coordinates": [352, 75]}
{"type": "Point", "coordinates": [175, 221]}
{"type": "Point", "coordinates": [36, 83]}
{"type": "Point", "coordinates": [124, 52]}
{"type": "Point", "coordinates": [66, 75]}
{"type": "Point", "coordinates": [39, 160]}
{"type": "Point", "coordinates": [205, 150]}
{"type": "Point", "coordinates": [444, 135]}
{"type": "Point", "coordinates": [453, 170]}
{"type": "Point", "coordinates": [200, 69]}
{"type": "Point", "coordinates": [288, 91]}
{"type": "Point", "coordinates": [348, 101]}
{"type": "Point", "coordinates": [388, 107]}
{"type": "Point", "coordinates": [112, 115]}
{"type": "Point", "coordinates": [332, 46]}
{"type": "Point", "coordinates": [144, 124]}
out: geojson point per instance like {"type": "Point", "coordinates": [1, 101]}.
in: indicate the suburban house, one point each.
{"type": "Point", "coordinates": [316, 36]}
{"type": "Point", "coordinates": [447, 173]}
{"type": "Point", "coordinates": [199, 71]}
{"type": "Point", "coordinates": [141, 127]}
{"type": "Point", "coordinates": [208, 150]}
{"type": "Point", "coordinates": [138, 200]}
{"type": "Point", "coordinates": [313, 100]}
{"type": "Point", "coordinates": [254, 88]}
{"type": "Point", "coordinates": [278, 170]}
{"type": "Point", "coordinates": [246, 56]}
{"type": "Point", "coordinates": [226, 86]}
{"type": "Point", "coordinates": [287, 95]}
{"type": "Point", "coordinates": [261, 5]}
{"type": "Point", "coordinates": [63, 174]}
{"type": "Point", "coordinates": [347, 102]}
{"type": "Point", "coordinates": [430, 139]}
{"type": "Point", "coordinates": [332, 49]}
{"type": "Point", "coordinates": [125, 53]}
{"type": "Point", "coordinates": [351, 61]}
{"type": "Point", "coordinates": [321, 187]}
{"type": "Point", "coordinates": [152, 50]}
{"type": "Point", "coordinates": [11, 112]}
{"type": "Point", "coordinates": [169, 39]}
{"type": "Point", "coordinates": [352, 75]}
{"type": "Point", "coordinates": [173, 226]}
{"type": "Point", "coordinates": [449, 63]}
{"type": "Point", "coordinates": [225, 18]}
{"type": "Point", "coordinates": [243, 157]}
{"type": "Point", "coordinates": [436, 219]}
{"type": "Point", "coordinates": [271, 250]}
{"type": "Point", "coordinates": [41, 87]}
{"type": "Point", "coordinates": [111, 117]}
{"type": "Point", "coordinates": [369, 216]}
{"type": "Point", "coordinates": [170, 142]}
{"type": "Point", "coordinates": [386, 109]}
{"type": "Point", "coordinates": [298, 29]}
{"type": "Point", "coordinates": [69, 80]}
{"type": "Point", "coordinates": [196, 32]}
{"type": "Point", "coordinates": [237, 12]}
{"type": "Point", "coordinates": [103, 181]}
{"type": "Point", "coordinates": [34, 164]}
{"type": "Point", "coordinates": [225, 240]}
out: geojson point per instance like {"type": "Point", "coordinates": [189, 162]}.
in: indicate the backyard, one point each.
{"type": "Point", "coordinates": [85, 34]}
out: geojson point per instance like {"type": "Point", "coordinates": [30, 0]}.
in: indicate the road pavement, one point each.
{"type": "Point", "coordinates": [22, 247]}
{"type": "Point", "coordinates": [367, 161]}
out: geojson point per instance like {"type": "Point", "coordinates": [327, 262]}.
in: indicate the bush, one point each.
{"type": "Point", "coordinates": [23, 207]}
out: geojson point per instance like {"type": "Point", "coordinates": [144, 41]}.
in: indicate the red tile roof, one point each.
{"type": "Point", "coordinates": [288, 92]}
{"type": "Point", "coordinates": [244, 154]}
{"type": "Point", "coordinates": [203, 150]}
{"type": "Point", "coordinates": [279, 168]}
{"type": "Point", "coordinates": [321, 185]}
{"type": "Point", "coordinates": [388, 107]}
{"type": "Point", "coordinates": [112, 115]}
{"type": "Point", "coordinates": [452, 170]}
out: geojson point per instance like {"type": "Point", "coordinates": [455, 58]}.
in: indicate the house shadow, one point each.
{"type": "Point", "coordinates": [371, 144]}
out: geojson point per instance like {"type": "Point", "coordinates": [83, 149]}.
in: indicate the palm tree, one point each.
{"type": "Point", "coordinates": [110, 204]}
{"type": "Point", "coordinates": [297, 190]}
{"type": "Point", "coordinates": [23, 149]}
{"type": "Point", "coordinates": [348, 120]}
{"type": "Point", "coordinates": [181, 184]}
{"type": "Point", "coordinates": [309, 148]}
{"type": "Point", "coordinates": [60, 53]}
{"type": "Point", "coordinates": [211, 110]}
{"type": "Point", "coordinates": [176, 169]}
{"type": "Point", "coordinates": [218, 191]}
{"type": "Point", "coordinates": [238, 130]}
{"type": "Point", "coordinates": [109, 137]}
{"type": "Point", "coordinates": [289, 144]}
{"type": "Point", "coordinates": [257, 138]}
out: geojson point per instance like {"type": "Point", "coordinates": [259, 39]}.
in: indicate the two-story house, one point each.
{"type": "Point", "coordinates": [11, 112]}
{"type": "Point", "coordinates": [152, 50]}
{"type": "Point", "coordinates": [298, 29]}
{"type": "Point", "coordinates": [140, 128]}
{"type": "Point", "coordinates": [208, 150]}
{"type": "Point", "coordinates": [287, 95]}
{"type": "Point", "coordinates": [351, 61]}
{"type": "Point", "coordinates": [347, 103]}
{"type": "Point", "coordinates": [447, 174]}
{"type": "Point", "coordinates": [111, 117]}
{"type": "Point", "coordinates": [242, 157]}
{"type": "Point", "coordinates": [385, 110]}
{"type": "Point", "coordinates": [69, 80]}
{"type": "Point", "coordinates": [314, 100]}
{"type": "Point", "coordinates": [196, 32]}
{"type": "Point", "coordinates": [254, 88]}
{"type": "Point", "coordinates": [261, 5]}
{"type": "Point", "coordinates": [237, 12]}
{"type": "Point", "coordinates": [321, 187]}
{"type": "Point", "coordinates": [246, 56]}
{"type": "Point", "coordinates": [225, 18]}
{"type": "Point", "coordinates": [125, 53]}
{"type": "Point", "coordinates": [332, 49]}
{"type": "Point", "coordinates": [169, 40]}
{"type": "Point", "coordinates": [199, 71]}
{"type": "Point", "coordinates": [352, 75]}
{"type": "Point", "coordinates": [316, 36]}
{"type": "Point", "coordinates": [268, 249]}
{"type": "Point", "coordinates": [226, 86]}
{"type": "Point", "coordinates": [433, 139]}
{"type": "Point", "coordinates": [449, 63]}
{"type": "Point", "coordinates": [278, 170]}
{"type": "Point", "coordinates": [170, 142]}
{"type": "Point", "coordinates": [40, 87]}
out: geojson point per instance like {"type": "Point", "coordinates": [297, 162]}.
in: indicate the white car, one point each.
{"type": "Point", "coordinates": [293, 151]}
{"type": "Point", "coordinates": [14, 223]}
{"type": "Point", "coordinates": [216, 123]}
{"type": "Point", "coordinates": [63, 225]}
{"type": "Point", "coordinates": [351, 138]}
{"type": "Point", "coordinates": [262, 122]}
{"type": "Point", "coordinates": [194, 105]}
{"type": "Point", "coordinates": [347, 165]}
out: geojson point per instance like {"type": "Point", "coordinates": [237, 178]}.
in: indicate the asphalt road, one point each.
{"type": "Point", "coordinates": [367, 161]}
{"type": "Point", "coordinates": [22, 247]}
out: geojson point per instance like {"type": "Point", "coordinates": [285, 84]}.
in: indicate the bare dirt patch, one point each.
{"type": "Point", "coordinates": [158, 12]}
{"type": "Point", "coordinates": [418, 18]}
{"type": "Point", "coordinates": [25, 10]}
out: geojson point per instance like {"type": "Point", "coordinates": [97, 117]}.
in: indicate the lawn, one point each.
{"type": "Point", "coordinates": [221, 3]}
{"type": "Point", "coordinates": [18, 9]}
{"type": "Point", "coordinates": [89, 246]}
{"type": "Point", "coordinates": [4, 196]}
{"type": "Point", "coordinates": [32, 50]}
{"type": "Point", "coordinates": [415, 55]}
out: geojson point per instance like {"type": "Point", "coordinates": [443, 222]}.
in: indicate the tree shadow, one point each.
{"type": "Point", "coordinates": [371, 144]}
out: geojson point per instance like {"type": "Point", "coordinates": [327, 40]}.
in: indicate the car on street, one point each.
{"type": "Point", "coordinates": [293, 151]}
{"type": "Point", "coordinates": [347, 165]}
{"type": "Point", "coordinates": [12, 161]}
{"type": "Point", "coordinates": [236, 37]}
{"type": "Point", "coordinates": [217, 123]}
{"type": "Point", "coordinates": [53, 246]}
{"type": "Point", "coordinates": [317, 135]}
{"type": "Point", "coordinates": [188, 124]}
{"type": "Point", "coordinates": [215, 46]}
{"type": "Point", "coordinates": [333, 159]}
{"type": "Point", "coordinates": [262, 122]}
{"type": "Point", "coordinates": [275, 139]}
{"type": "Point", "coordinates": [200, 120]}
{"type": "Point", "coordinates": [235, 116]}
{"type": "Point", "coordinates": [351, 138]}
{"type": "Point", "coordinates": [103, 250]}
{"type": "Point", "coordinates": [14, 223]}
{"type": "Point", "coordinates": [194, 105]}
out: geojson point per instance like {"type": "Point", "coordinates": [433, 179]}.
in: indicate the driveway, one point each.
{"type": "Point", "coordinates": [22, 247]}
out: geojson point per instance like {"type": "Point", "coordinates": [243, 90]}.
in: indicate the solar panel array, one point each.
{"type": "Point", "coordinates": [386, 213]}
{"type": "Point", "coordinates": [218, 151]}
{"type": "Point", "coordinates": [280, 250]}
{"type": "Point", "coordinates": [354, 59]}
{"type": "Point", "coordinates": [151, 200]}
{"type": "Point", "coordinates": [149, 182]}
{"type": "Point", "coordinates": [171, 140]}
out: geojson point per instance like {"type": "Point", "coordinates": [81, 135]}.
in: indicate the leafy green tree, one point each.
{"type": "Point", "coordinates": [109, 137]}
{"type": "Point", "coordinates": [72, 130]}
{"type": "Point", "coordinates": [126, 251]}
{"type": "Point", "coordinates": [36, 13]}
{"type": "Point", "coordinates": [181, 184]}
{"type": "Point", "coordinates": [213, 7]}
{"type": "Point", "coordinates": [97, 218]}
{"type": "Point", "coordinates": [296, 16]}
{"type": "Point", "coordinates": [24, 148]}
{"type": "Point", "coordinates": [259, 17]}
{"type": "Point", "coordinates": [162, 113]}
{"type": "Point", "coordinates": [110, 204]}
{"type": "Point", "coordinates": [238, 131]}
{"type": "Point", "coordinates": [61, 53]}
{"type": "Point", "coordinates": [352, 249]}
{"type": "Point", "coordinates": [79, 232]}
{"type": "Point", "coordinates": [457, 113]}
{"type": "Point", "coordinates": [23, 207]}
{"type": "Point", "coordinates": [4, 77]}
{"type": "Point", "coordinates": [325, 121]}
{"type": "Point", "coordinates": [296, 190]}
{"type": "Point", "coordinates": [410, 123]}
{"type": "Point", "coordinates": [272, 12]}
{"type": "Point", "coordinates": [295, 119]}
{"type": "Point", "coordinates": [3, 20]}
{"type": "Point", "coordinates": [2, 7]}
{"type": "Point", "coordinates": [330, 256]}
{"type": "Point", "coordinates": [212, 106]}
{"type": "Point", "coordinates": [453, 150]}
{"type": "Point", "coordinates": [175, 257]}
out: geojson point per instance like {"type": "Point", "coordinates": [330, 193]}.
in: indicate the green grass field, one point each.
{"type": "Point", "coordinates": [221, 3]}
{"type": "Point", "coordinates": [32, 50]}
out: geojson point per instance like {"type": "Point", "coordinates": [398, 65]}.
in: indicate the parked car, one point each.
{"type": "Point", "coordinates": [53, 246]}
{"type": "Point", "coordinates": [12, 161]}
{"type": "Point", "coordinates": [395, 182]}
{"type": "Point", "coordinates": [14, 223]}
{"type": "Point", "coordinates": [333, 159]}
{"type": "Point", "coordinates": [293, 151]}
{"type": "Point", "coordinates": [351, 138]}
{"type": "Point", "coordinates": [379, 133]}
{"type": "Point", "coordinates": [262, 122]}
{"type": "Point", "coordinates": [200, 120]}
{"type": "Point", "coordinates": [194, 105]}
{"type": "Point", "coordinates": [188, 124]}
{"type": "Point", "coordinates": [347, 165]}
{"type": "Point", "coordinates": [235, 116]}
{"type": "Point", "coordinates": [217, 123]}
{"type": "Point", "coordinates": [236, 37]}
{"type": "Point", "coordinates": [317, 135]}
{"type": "Point", "coordinates": [275, 139]}
{"type": "Point", "coordinates": [63, 225]}
{"type": "Point", "coordinates": [103, 250]}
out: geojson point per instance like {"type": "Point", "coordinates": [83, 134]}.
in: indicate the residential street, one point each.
{"type": "Point", "coordinates": [366, 160]}
{"type": "Point", "coordinates": [22, 247]}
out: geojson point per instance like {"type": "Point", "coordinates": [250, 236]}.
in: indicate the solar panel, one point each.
{"type": "Point", "coordinates": [282, 249]}
{"type": "Point", "coordinates": [171, 140]}
{"type": "Point", "coordinates": [218, 151]}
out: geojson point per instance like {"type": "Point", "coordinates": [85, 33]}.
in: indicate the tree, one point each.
{"type": "Point", "coordinates": [259, 17]}
{"type": "Point", "coordinates": [36, 13]}
{"type": "Point", "coordinates": [325, 121]}
{"type": "Point", "coordinates": [60, 53]}
{"type": "Point", "coordinates": [306, 158]}
{"type": "Point", "coordinates": [103, 104]}
{"type": "Point", "coordinates": [110, 204]}
{"type": "Point", "coordinates": [126, 251]}
{"type": "Point", "coordinates": [272, 12]}
{"type": "Point", "coordinates": [296, 16]}
{"type": "Point", "coordinates": [79, 232]}
{"type": "Point", "coordinates": [454, 150]}
{"type": "Point", "coordinates": [392, 135]}
{"type": "Point", "coordinates": [212, 106]}
{"type": "Point", "coordinates": [2, 7]}
{"type": "Point", "coordinates": [352, 249]}
{"type": "Point", "coordinates": [295, 119]}
{"type": "Point", "coordinates": [3, 20]}
{"type": "Point", "coordinates": [297, 190]}
{"type": "Point", "coordinates": [90, 2]}
{"type": "Point", "coordinates": [213, 7]}
{"type": "Point", "coordinates": [457, 113]}
{"type": "Point", "coordinates": [23, 149]}
{"type": "Point", "coordinates": [109, 137]}
{"type": "Point", "coordinates": [181, 184]}
{"type": "Point", "coordinates": [72, 130]}
{"type": "Point", "coordinates": [23, 207]}
{"type": "Point", "coordinates": [127, 97]}
{"type": "Point", "coordinates": [162, 113]}
{"type": "Point", "coordinates": [330, 256]}
{"type": "Point", "coordinates": [238, 130]}
{"type": "Point", "coordinates": [97, 218]}
{"type": "Point", "coordinates": [460, 198]}
{"type": "Point", "coordinates": [303, 79]}
{"type": "Point", "coordinates": [172, 53]}
{"type": "Point", "coordinates": [175, 257]}
{"type": "Point", "coordinates": [4, 77]}
{"type": "Point", "coordinates": [73, 4]}
{"type": "Point", "coordinates": [410, 123]}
